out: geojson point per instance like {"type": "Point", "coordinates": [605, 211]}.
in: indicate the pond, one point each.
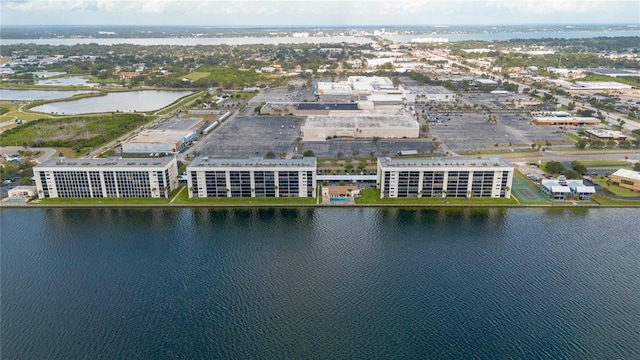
{"type": "Point", "coordinates": [10, 94]}
{"type": "Point", "coordinates": [66, 81]}
{"type": "Point", "coordinates": [129, 101]}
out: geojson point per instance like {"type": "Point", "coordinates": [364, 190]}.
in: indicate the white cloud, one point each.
{"type": "Point", "coordinates": [319, 12]}
{"type": "Point", "coordinates": [542, 7]}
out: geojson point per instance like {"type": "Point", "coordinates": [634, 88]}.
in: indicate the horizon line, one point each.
{"type": "Point", "coordinates": [325, 25]}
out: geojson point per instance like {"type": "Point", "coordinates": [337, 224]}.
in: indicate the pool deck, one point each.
{"type": "Point", "coordinates": [327, 201]}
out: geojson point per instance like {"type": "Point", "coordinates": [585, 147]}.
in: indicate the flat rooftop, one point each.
{"type": "Point", "coordinates": [180, 124]}
{"type": "Point", "coordinates": [630, 174]}
{"type": "Point", "coordinates": [426, 89]}
{"type": "Point", "coordinates": [361, 121]}
{"type": "Point", "coordinates": [120, 162]}
{"type": "Point", "coordinates": [448, 162]}
{"type": "Point", "coordinates": [614, 72]}
{"type": "Point", "coordinates": [159, 136]}
{"type": "Point", "coordinates": [205, 161]}
{"type": "Point", "coordinates": [327, 106]}
{"type": "Point", "coordinates": [605, 133]}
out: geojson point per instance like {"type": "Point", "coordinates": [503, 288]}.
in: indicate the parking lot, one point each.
{"type": "Point", "coordinates": [255, 136]}
{"type": "Point", "coordinates": [469, 132]}
{"type": "Point", "coordinates": [252, 136]}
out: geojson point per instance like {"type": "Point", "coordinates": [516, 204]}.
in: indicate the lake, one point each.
{"type": "Point", "coordinates": [129, 101]}
{"type": "Point", "coordinates": [66, 81]}
{"type": "Point", "coordinates": [30, 95]}
{"type": "Point", "coordinates": [320, 283]}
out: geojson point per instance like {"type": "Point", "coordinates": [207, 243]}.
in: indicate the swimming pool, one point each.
{"type": "Point", "coordinates": [15, 200]}
{"type": "Point", "coordinates": [339, 200]}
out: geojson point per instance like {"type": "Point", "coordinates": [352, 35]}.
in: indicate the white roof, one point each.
{"type": "Point", "coordinates": [585, 189]}
{"type": "Point", "coordinates": [630, 174]}
{"type": "Point", "coordinates": [560, 189]}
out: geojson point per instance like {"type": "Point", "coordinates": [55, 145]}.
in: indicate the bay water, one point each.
{"type": "Point", "coordinates": [320, 283]}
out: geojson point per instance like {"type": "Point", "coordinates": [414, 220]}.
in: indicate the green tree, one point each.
{"type": "Point", "coordinates": [581, 143]}
{"type": "Point", "coordinates": [308, 153]}
{"type": "Point", "coordinates": [636, 166]}
{"type": "Point", "coordinates": [578, 167]}
{"type": "Point", "coordinates": [571, 174]}
{"type": "Point", "coordinates": [340, 154]}
{"type": "Point", "coordinates": [270, 155]}
{"type": "Point", "coordinates": [554, 167]}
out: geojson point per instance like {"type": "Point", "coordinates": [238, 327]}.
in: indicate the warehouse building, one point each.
{"type": "Point", "coordinates": [159, 141]}
{"type": "Point", "coordinates": [106, 178]}
{"type": "Point", "coordinates": [447, 177]}
{"type": "Point", "coordinates": [320, 128]}
{"type": "Point", "coordinates": [627, 179]}
{"type": "Point", "coordinates": [251, 177]}
{"type": "Point", "coordinates": [565, 121]}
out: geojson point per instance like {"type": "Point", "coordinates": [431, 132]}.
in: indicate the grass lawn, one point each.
{"type": "Point", "coordinates": [13, 113]}
{"type": "Point", "coordinates": [613, 202]}
{"type": "Point", "coordinates": [102, 201]}
{"type": "Point", "coordinates": [183, 199]}
{"type": "Point", "coordinates": [595, 163]}
{"type": "Point", "coordinates": [614, 189]}
{"type": "Point", "coordinates": [197, 75]}
{"type": "Point", "coordinates": [181, 102]}
{"type": "Point", "coordinates": [372, 197]}
{"type": "Point", "coordinates": [572, 136]}
{"type": "Point", "coordinates": [66, 152]}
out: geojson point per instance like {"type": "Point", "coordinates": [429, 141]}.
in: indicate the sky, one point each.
{"type": "Point", "coordinates": [317, 12]}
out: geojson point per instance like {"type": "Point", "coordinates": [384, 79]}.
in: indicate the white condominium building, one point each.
{"type": "Point", "coordinates": [444, 177]}
{"type": "Point", "coordinates": [106, 178]}
{"type": "Point", "coordinates": [251, 177]}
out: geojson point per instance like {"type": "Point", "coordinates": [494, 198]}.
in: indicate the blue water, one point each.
{"type": "Point", "coordinates": [339, 199]}
{"type": "Point", "coordinates": [320, 283]}
{"type": "Point", "coordinates": [128, 101]}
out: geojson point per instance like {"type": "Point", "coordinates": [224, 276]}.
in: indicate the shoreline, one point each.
{"type": "Point", "coordinates": [249, 206]}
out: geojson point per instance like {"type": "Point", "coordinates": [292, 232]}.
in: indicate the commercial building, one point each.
{"type": "Point", "coordinates": [251, 177]}
{"type": "Point", "coordinates": [106, 178]}
{"type": "Point", "coordinates": [601, 85]}
{"type": "Point", "coordinates": [356, 85]}
{"type": "Point", "coordinates": [561, 189]}
{"type": "Point", "coordinates": [425, 94]}
{"type": "Point", "coordinates": [158, 141]}
{"type": "Point", "coordinates": [447, 177]}
{"type": "Point", "coordinates": [606, 135]}
{"type": "Point", "coordinates": [565, 121]}
{"type": "Point", "coordinates": [182, 123]}
{"type": "Point", "coordinates": [320, 128]}
{"type": "Point", "coordinates": [627, 179]}
{"type": "Point", "coordinates": [486, 83]}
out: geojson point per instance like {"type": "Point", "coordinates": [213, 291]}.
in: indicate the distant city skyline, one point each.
{"type": "Point", "coordinates": [317, 13]}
